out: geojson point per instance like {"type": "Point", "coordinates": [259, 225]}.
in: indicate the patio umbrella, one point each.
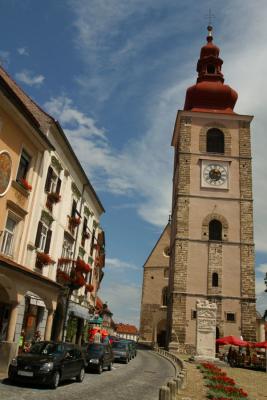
{"type": "Point", "coordinates": [234, 341]}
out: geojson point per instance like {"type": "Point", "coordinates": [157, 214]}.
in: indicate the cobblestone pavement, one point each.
{"type": "Point", "coordinates": [140, 379]}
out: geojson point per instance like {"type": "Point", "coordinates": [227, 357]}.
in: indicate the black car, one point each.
{"type": "Point", "coordinates": [98, 356]}
{"type": "Point", "coordinates": [48, 363]}
{"type": "Point", "coordinates": [121, 350]}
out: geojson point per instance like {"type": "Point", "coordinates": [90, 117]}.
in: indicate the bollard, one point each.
{"type": "Point", "coordinates": [179, 380]}
{"type": "Point", "coordinates": [172, 386]}
{"type": "Point", "coordinates": [176, 380]}
{"type": "Point", "coordinates": [182, 376]}
{"type": "Point", "coordinates": [164, 393]}
{"type": "Point", "coordinates": [185, 376]}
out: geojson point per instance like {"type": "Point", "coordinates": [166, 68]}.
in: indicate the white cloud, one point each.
{"type": "Point", "coordinates": [29, 78]}
{"type": "Point", "coordinates": [4, 57]}
{"type": "Point", "coordinates": [23, 51]}
{"type": "Point", "coordinates": [112, 56]}
{"type": "Point", "coordinates": [116, 264]}
{"type": "Point", "coordinates": [123, 300]}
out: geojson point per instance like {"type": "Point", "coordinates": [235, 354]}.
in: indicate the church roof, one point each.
{"type": "Point", "coordinates": [158, 256]}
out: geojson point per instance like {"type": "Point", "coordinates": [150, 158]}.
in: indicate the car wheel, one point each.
{"type": "Point", "coordinates": [55, 380]}
{"type": "Point", "coordinates": [110, 366]}
{"type": "Point", "coordinates": [100, 368]}
{"type": "Point", "coordinates": [80, 377]}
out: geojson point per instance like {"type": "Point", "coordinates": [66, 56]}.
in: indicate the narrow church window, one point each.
{"type": "Point", "coordinates": [215, 230]}
{"type": "Point", "coordinates": [165, 296]}
{"type": "Point", "coordinates": [215, 141]}
{"type": "Point", "coordinates": [215, 279]}
{"type": "Point", "coordinates": [211, 69]}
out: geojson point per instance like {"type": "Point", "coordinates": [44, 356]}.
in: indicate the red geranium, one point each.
{"type": "Point", "coordinates": [82, 266]}
{"type": "Point", "coordinates": [25, 184]}
{"type": "Point", "coordinates": [89, 287]}
{"type": "Point", "coordinates": [44, 258]}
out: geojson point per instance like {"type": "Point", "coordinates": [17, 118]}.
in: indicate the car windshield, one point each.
{"type": "Point", "coordinates": [95, 348]}
{"type": "Point", "coordinates": [46, 348]}
{"type": "Point", "coordinates": [119, 345]}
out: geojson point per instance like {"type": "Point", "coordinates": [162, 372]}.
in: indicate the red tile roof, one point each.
{"type": "Point", "coordinates": [126, 328]}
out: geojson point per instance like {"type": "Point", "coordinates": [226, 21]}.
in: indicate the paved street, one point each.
{"type": "Point", "coordinates": [140, 379]}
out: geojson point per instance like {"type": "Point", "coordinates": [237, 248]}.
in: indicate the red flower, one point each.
{"type": "Point", "coordinates": [63, 276]}
{"type": "Point", "coordinates": [78, 280]}
{"type": "Point", "coordinates": [82, 266]}
{"type": "Point", "coordinates": [54, 197]}
{"type": "Point", "coordinates": [25, 184]}
{"type": "Point", "coordinates": [89, 287]}
{"type": "Point", "coordinates": [44, 258]}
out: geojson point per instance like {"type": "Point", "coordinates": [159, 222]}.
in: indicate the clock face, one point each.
{"type": "Point", "coordinates": [215, 174]}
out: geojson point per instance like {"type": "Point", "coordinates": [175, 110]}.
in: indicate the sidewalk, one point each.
{"type": "Point", "coordinates": [195, 389]}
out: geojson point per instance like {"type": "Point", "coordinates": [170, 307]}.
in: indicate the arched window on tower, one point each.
{"type": "Point", "coordinates": [211, 69]}
{"type": "Point", "coordinates": [215, 141]}
{"type": "Point", "coordinates": [215, 230]}
{"type": "Point", "coordinates": [165, 296]}
{"type": "Point", "coordinates": [215, 279]}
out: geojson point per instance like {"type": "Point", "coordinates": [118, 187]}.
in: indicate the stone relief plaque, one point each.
{"type": "Point", "coordinates": [5, 172]}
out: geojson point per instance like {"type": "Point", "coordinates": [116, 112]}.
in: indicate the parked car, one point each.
{"type": "Point", "coordinates": [49, 363]}
{"type": "Point", "coordinates": [132, 349]}
{"type": "Point", "coordinates": [98, 356]}
{"type": "Point", "coordinates": [121, 351]}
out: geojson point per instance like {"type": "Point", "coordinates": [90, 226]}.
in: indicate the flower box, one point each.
{"type": "Point", "coordinates": [79, 280]}
{"type": "Point", "coordinates": [64, 261]}
{"type": "Point", "coordinates": [89, 287]}
{"type": "Point", "coordinates": [43, 259]}
{"type": "Point", "coordinates": [53, 197]}
{"type": "Point", "coordinates": [82, 266]}
{"type": "Point", "coordinates": [63, 277]}
{"type": "Point", "coordinates": [74, 221]}
{"type": "Point", "coordinates": [86, 235]}
{"type": "Point", "coordinates": [25, 184]}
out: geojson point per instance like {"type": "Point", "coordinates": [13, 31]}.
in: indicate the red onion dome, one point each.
{"type": "Point", "coordinates": [210, 93]}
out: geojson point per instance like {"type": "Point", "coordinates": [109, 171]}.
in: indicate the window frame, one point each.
{"type": "Point", "coordinates": [24, 169]}
{"type": "Point", "coordinates": [215, 144]}
{"type": "Point", "coordinates": [7, 233]}
{"type": "Point", "coordinates": [227, 313]}
{"type": "Point", "coordinates": [213, 230]}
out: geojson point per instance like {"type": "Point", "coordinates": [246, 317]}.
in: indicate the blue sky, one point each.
{"type": "Point", "coordinates": [114, 73]}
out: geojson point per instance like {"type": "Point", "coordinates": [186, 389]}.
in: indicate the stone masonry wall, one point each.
{"type": "Point", "coordinates": [248, 308]}
{"type": "Point", "coordinates": [179, 253]}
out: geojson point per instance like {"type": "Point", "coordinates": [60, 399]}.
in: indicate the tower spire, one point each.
{"type": "Point", "coordinates": [210, 93]}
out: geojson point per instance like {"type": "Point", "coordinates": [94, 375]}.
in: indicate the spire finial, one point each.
{"type": "Point", "coordinates": [210, 16]}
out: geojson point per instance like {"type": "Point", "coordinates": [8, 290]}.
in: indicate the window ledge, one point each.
{"type": "Point", "coordinates": [20, 188]}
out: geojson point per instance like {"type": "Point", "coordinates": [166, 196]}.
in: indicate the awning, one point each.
{"type": "Point", "coordinates": [35, 299]}
{"type": "Point", "coordinates": [78, 311]}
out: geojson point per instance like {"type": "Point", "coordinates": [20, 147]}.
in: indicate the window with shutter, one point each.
{"type": "Point", "coordinates": [48, 179]}
{"type": "Point", "coordinates": [48, 241]}
{"type": "Point", "coordinates": [58, 186]}
{"type": "Point", "coordinates": [74, 208]}
{"type": "Point", "coordinates": [38, 234]}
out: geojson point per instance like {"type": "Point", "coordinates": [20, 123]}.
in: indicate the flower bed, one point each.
{"type": "Point", "coordinates": [220, 386]}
